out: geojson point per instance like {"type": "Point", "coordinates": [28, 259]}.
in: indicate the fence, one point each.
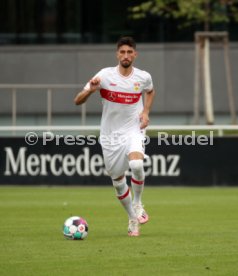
{"type": "Point", "coordinates": [16, 130]}
{"type": "Point", "coordinates": [49, 88]}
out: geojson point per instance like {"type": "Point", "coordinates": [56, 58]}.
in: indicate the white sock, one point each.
{"type": "Point", "coordinates": [137, 179]}
{"type": "Point", "coordinates": [124, 195]}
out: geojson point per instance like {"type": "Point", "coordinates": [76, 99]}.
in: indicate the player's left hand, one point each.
{"type": "Point", "coordinates": [144, 120]}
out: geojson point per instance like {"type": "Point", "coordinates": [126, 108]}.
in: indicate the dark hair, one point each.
{"type": "Point", "coordinates": [126, 40]}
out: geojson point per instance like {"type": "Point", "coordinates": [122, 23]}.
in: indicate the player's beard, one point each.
{"type": "Point", "coordinates": [125, 63]}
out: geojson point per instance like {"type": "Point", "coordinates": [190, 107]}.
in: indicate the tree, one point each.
{"type": "Point", "coordinates": [189, 12]}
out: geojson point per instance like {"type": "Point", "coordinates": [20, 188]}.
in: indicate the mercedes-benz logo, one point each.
{"type": "Point", "coordinates": [111, 96]}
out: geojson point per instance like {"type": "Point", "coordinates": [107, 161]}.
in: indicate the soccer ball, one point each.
{"type": "Point", "coordinates": [75, 228]}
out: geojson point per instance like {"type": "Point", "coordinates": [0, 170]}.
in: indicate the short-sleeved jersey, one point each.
{"type": "Point", "coordinates": [122, 99]}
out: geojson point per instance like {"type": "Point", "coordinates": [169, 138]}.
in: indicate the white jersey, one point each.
{"type": "Point", "coordinates": [122, 99]}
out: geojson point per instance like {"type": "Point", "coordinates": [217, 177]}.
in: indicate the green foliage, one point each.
{"type": "Point", "coordinates": [190, 12]}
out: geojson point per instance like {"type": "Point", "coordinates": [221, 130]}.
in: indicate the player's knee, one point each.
{"type": "Point", "coordinates": [137, 168]}
{"type": "Point", "coordinates": [136, 165]}
{"type": "Point", "coordinates": [118, 182]}
{"type": "Point", "coordinates": [119, 185]}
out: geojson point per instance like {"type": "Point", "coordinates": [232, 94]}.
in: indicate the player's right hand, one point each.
{"type": "Point", "coordinates": [94, 84]}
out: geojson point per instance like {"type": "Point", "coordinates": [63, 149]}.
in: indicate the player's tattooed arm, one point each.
{"type": "Point", "coordinates": [94, 85]}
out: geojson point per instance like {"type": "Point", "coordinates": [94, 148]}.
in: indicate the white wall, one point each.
{"type": "Point", "coordinates": [171, 66]}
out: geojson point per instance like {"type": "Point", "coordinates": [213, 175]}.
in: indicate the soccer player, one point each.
{"type": "Point", "coordinates": [123, 123]}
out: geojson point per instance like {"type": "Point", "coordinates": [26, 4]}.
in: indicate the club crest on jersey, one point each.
{"type": "Point", "coordinates": [136, 86]}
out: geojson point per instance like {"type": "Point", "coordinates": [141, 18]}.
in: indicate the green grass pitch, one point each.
{"type": "Point", "coordinates": [192, 231]}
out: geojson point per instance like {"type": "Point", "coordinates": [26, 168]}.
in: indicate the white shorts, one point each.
{"type": "Point", "coordinates": [116, 151]}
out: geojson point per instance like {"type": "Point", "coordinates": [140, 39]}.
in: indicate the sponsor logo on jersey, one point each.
{"type": "Point", "coordinates": [120, 97]}
{"type": "Point", "coordinates": [111, 96]}
{"type": "Point", "coordinates": [113, 84]}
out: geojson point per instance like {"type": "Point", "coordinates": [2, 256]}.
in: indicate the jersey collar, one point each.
{"type": "Point", "coordinates": [125, 77]}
